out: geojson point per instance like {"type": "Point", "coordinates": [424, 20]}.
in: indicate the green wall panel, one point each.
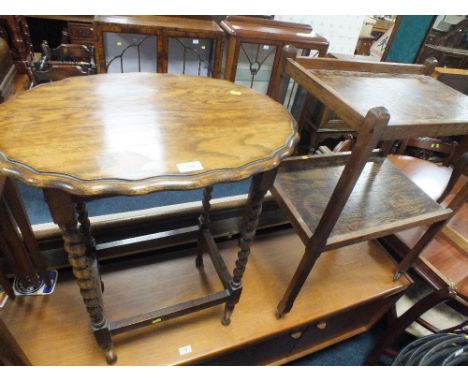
{"type": "Point", "coordinates": [409, 37]}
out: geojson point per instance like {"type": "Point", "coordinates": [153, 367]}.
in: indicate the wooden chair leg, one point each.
{"type": "Point", "coordinates": [6, 285]}
{"type": "Point", "coordinates": [7, 252]}
{"type": "Point", "coordinates": [414, 252]}
{"type": "Point", "coordinates": [11, 353]}
{"type": "Point", "coordinates": [26, 272]}
{"type": "Point", "coordinates": [18, 210]}
{"type": "Point", "coordinates": [430, 233]}
{"type": "Point", "coordinates": [460, 167]}
{"type": "Point", "coordinates": [401, 323]}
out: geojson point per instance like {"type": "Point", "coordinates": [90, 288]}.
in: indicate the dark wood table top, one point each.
{"type": "Point", "coordinates": [141, 132]}
{"type": "Point", "coordinates": [409, 98]}
{"type": "Point", "coordinates": [418, 104]}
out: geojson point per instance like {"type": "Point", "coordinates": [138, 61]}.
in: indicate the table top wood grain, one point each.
{"type": "Point", "coordinates": [418, 104]}
{"type": "Point", "coordinates": [409, 98]}
{"type": "Point", "coordinates": [127, 133]}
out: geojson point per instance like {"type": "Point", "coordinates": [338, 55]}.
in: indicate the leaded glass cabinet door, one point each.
{"type": "Point", "coordinates": [130, 52]}
{"type": "Point", "coordinates": [295, 95]}
{"type": "Point", "coordinates": [254, 66]}
{"type": "Point", "coordinates": [191, 56]}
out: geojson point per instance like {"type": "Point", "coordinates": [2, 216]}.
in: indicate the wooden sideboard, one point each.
{"type": "Point", "coordinates": [323, 316]}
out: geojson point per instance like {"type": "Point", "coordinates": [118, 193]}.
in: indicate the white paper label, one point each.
{"type": "Point", "coordinates": [266, 47]}
{"type": "Point", "coordinates": [195, 42]}
{"type": "Point", "coordinates": [185, 350]}
{"type": "Point", "coordinates": [189, 166]}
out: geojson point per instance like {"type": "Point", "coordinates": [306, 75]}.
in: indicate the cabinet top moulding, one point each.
{"type": "Point", "coordinates": [167, 23]}
{"type": "Point", "coordinates": [73, 18]}
{"type": "Point", "coordinates": [272, 30]}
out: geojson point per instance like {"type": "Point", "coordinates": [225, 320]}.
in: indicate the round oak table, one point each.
{"type": "Point", "coordinates": [133, 134]}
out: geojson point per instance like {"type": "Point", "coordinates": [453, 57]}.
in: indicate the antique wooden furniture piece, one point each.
{"type": "Point", "coordinates": [358, 196]}
{"type": "Point", "coordinates": [66, 60]}
{"type": "Point", "coordinates": [434, 149]}
{"type": "Point", "coordinates": [18, 246]}
{"type": "Point", "coordinates": [14, 30]}
{"type": "Point", "coordinates": [198, 39]}
{"type": "Point", "coordinates": [11, 353]}
{"type": "Point", "coordinates": [98, 155]}
{"type": "Point", "coordinates": [254, 43]}
{"type": "Point", "coordinates": [450, 57]}
{"type": "Point", "coordinates": [449, 149]}
{"type": "Point", "coordinates": [7, 71]}
{"type": "Point", "coordinates": [255, 336]}
{"type": "Point", "coordinates": [443, 265]}
{"type": "Point", "coordinates": [450, 48]}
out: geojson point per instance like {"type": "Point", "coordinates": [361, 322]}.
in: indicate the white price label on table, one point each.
{"type": "Point", "coordinates": [189, 166]}
{"type": "Point", "coordinates": [185, 350]}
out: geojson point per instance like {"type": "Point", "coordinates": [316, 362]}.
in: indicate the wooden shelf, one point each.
{"type": "Point", "coordinates": [54, 330]}
{"type": "Point", "coordinates": [383, 201]}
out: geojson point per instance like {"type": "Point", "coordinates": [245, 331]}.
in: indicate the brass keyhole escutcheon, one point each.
{"type": "Point", "coordinates": [322, 325]}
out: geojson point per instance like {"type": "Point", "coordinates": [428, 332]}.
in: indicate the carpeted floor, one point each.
{"type": "Point", "coordinates": [352, 352]}
{"type": "Point", "coordinates": [38, 211]}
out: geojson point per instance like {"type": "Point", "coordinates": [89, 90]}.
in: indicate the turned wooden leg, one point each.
{"type": "Point", "coordinates": [258, 188]}
{"type": "Point", "coordinates": [62, 208]}
{"type": "Point", "coordinates": [85, 228]}
{"type": "Point", "coordinates": [204, 224]}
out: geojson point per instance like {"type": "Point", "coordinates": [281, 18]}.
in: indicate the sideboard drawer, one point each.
{"type": "Point", "coordinates": [354, 321]}
{"type": "Point", "coordinates": [81, 32]}
{"type": "Point", "coordinates": [262, 353]}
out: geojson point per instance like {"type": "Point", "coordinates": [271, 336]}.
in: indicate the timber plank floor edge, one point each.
{"type": "Point", "coordinates": [54, 329]}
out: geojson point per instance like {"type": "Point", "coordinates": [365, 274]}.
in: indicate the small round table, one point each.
{"type": "Point", "coordinates": [133, 134]}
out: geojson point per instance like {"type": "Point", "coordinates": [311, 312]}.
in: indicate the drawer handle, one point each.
{"type": "Point", "coordinates": [297, 335]}
{"type": "Point", "coordinates": [91, 29]}
{"type": "Point", "coordinates": [322, 325]}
